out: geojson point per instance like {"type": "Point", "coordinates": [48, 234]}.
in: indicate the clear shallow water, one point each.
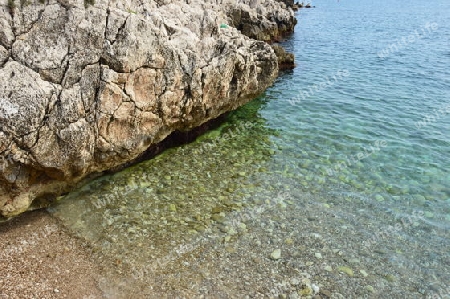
{"type": "Point", "coordinates": [344, 178]}
{"type": "Point", "coordinates": [381, 99]}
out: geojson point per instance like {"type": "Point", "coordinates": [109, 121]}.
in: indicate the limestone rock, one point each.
{"type": "Point", "coordinates": [268, 22]}
{"type": "Point", "coordinates": [87, 88]}
{"type": "Point", "coordinates": [4, 55]}
{"type": "Point", "coordinates": [285, 59]}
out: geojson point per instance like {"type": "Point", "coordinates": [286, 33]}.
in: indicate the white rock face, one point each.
{"type": "Point", "coordinates": [87, 88]}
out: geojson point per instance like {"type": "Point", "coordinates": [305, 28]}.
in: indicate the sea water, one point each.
{"type": "Point", "coordinates": [335, 182]}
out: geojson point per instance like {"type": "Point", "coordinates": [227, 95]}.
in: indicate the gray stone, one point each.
{"type": "Point", "coordinates": [276, 254]}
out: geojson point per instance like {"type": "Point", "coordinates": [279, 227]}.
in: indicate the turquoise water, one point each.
{"type": "Point", "coordinates": [343, 165]}
{"type": "Point", "coordinates": [380, 100]}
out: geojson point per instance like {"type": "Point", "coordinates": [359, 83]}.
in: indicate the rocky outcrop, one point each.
{"type": "Point", "coordinates": [285, 59]}
{"type": "Point", "coordinates": [266, 22]}
{"type": "Point", "coordinates": [86, 88]}
{"type": "Point", "coordinates": [288, 3]}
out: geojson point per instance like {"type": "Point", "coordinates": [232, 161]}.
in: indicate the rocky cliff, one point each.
{"type": "Point", "coordinates": [87, 86]}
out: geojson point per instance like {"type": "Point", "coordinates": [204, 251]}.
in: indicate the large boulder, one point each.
{"type": "Point", "coordinates": [85, 88]}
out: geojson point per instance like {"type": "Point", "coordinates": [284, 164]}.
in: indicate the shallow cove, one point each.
{"type": "Point", "coordinates": [207, 218]}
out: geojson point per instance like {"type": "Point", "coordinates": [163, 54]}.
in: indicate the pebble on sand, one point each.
{"type": "Point", "coordinates": [276, 254]}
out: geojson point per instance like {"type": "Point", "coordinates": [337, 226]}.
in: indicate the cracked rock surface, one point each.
{"type": "Point", "coordinates": [87, 88]}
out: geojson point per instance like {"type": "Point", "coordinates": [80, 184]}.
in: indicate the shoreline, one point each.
{"type": "Point", "coordinates": [39, 258]}
{"type": "Point", "coordinates": [109, 83]}
{"type": "Point", "coordinates": [39, 255]}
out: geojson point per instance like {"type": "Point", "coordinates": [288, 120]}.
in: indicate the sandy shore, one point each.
{"type": "Point", "coordinates": [39, 259]}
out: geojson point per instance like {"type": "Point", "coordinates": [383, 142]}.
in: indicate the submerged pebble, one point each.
{"type": "Point", "coordinates": [378, 197]}
{"type": "Point", "coordinates": [346, 270]}
{"type": "Point", "coordinates": [276, 254]}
